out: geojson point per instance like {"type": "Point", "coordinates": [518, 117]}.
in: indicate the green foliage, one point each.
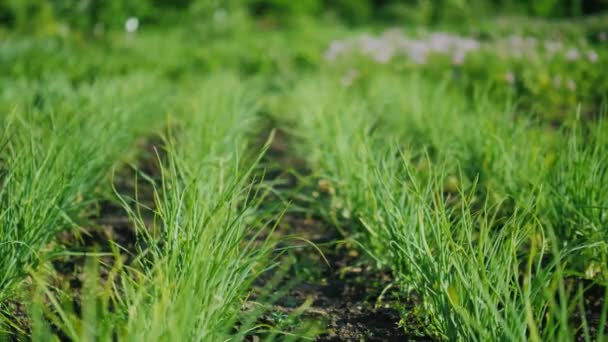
{"type": "Point", "coordinates": [202, 251]}
{"type": "Point", "coordinates": [462, 202]}
{"type": "Point", "coordinates": [90, 16]}
{"type": "Point", "coordinates": [289, 8]}
{"type": "Point", "coordinates": [577, 204]}
{"type": "Point", "coordinates": [480, 183]}
{"type": "Point", "coordinates": [189, 292]}
{"type": "Point", "coordinates": [58, 149]}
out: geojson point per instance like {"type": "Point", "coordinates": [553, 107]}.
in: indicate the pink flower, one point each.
{"type": "Point", "coordinates": [383, 56]}
{"type": "Point", "coordinates": [417, 51]}
{"type": "Point", "coordinates": [553, 46]}
{"type": "Point", "coordinates": [440, 42]}
{"type": "Point", "coordinates": [336, 48]}
{"type": "Point", "coordinates": [592, 56]}
{"type": "Point", "coordinates": [573, 54]}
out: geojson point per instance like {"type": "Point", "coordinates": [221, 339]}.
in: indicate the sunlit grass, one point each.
{"type": "Point", "coordinates": [455, 196]}
{"type": "Point", "coordinates": [204, 248]}
{"type": "Point", "coordinates": [492, 213]}
{"type": "Point", "coordinates": [60, 144]}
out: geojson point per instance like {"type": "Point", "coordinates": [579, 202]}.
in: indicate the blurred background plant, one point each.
{"type": "Point", "coordinates": [551, 65]}
{"type": "Point", "coordinates": [91, 15]}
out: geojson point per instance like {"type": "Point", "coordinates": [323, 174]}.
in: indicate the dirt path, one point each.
{"type": "Point", "coordinates": [333, 287]}
{"type": "Point", "coordinates": [353, 300]}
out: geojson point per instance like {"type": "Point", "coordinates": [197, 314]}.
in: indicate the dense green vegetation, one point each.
{"type": "Point", "coordinates": [465, 156]}
{"type": "Point", "coordinates": [32, 15]}
{"type": "Point", "coordinates": [468, 206]}
{"type": "Point", "coordinates": [56, 152]}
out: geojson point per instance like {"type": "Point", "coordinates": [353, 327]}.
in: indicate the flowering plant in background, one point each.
{"type": "Point", "coordinates": [550, 75]}
{"type": "Point", "coordinates": [394, 44]}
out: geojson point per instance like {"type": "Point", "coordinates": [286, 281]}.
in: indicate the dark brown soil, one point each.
{"type": "Point", "coordinates": [353, 299]}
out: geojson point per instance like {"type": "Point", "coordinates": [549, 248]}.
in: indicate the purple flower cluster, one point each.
{"type": "Point", "coordinates": [393, 43]}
